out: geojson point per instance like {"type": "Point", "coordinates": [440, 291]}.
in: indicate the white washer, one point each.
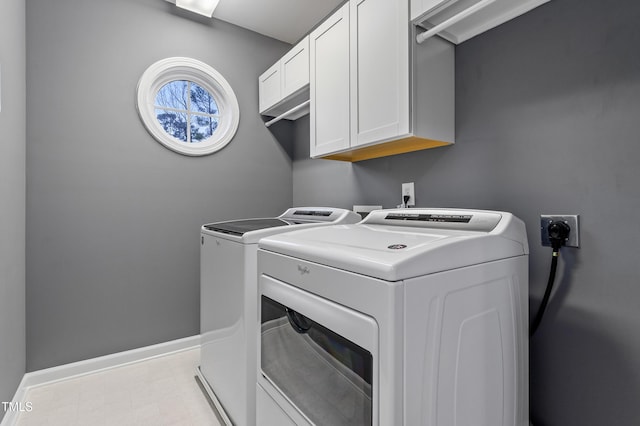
{"type": "Point", "coordinates": [410, 317]}
{"type": "Point", "coordinates": [228, 303]}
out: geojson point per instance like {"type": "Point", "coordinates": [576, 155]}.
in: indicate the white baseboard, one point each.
{"type": "Point", "coordinates": [94, 365]}
{"type": "Point", "coordinates": [11, 417]}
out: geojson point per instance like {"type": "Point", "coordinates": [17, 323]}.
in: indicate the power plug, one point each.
{"type": "Point", "coordinates": [560, 227]}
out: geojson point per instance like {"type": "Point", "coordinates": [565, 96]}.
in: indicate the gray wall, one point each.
{"type": "Point", "coordinates": [113, 217]}
{"type": "Point", "coordinates": [12, 198]}
{"type": "Point", "coordinates": [547, 113]}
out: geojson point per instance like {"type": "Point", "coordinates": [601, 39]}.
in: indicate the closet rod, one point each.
{"type": "Point", "coordinates": [288, 113]}
{"type": "Point", "coordinates": [455, 18]}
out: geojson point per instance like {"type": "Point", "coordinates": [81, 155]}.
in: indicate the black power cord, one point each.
{"type": "Point", "coordinates": [558, 233]}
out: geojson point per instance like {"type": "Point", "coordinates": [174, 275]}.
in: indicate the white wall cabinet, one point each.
{"type": "Point", "coordinates": [460, 20]}
{"type": "Point", "coordinates": [285, 85]}
{"type": "Point", "coordinates": [379, 70]}
{"type": "Point", "coordinates": [363, 99]}
{"type": "Point", "coordinates": [269, 87]}
{"type": "Point", "coordinates": [295, 69]}
{"type": "Point", "coordinates": [329, 72]}
{"type": "Point", "coordinates": [372, 85]}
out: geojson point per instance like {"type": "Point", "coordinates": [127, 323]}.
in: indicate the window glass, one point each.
{"type": "Point", "coordinates": [202, 100]}
{"type": "Point", "coordinates": [186, 111]}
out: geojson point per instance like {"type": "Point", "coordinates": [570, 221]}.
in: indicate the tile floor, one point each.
{"type": "Point", "coordinates": [157, 392]}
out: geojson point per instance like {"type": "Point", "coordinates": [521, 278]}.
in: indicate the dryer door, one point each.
{"type": "Point", "coordinates": [318, 356]}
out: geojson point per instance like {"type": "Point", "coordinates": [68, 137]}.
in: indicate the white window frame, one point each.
{"type": "Point", "coordinates": [179, 68]}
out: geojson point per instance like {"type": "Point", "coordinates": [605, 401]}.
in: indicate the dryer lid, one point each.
{"type": "Point", "coordinates": [393, 247]}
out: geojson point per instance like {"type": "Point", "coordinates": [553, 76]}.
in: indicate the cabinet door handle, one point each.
{"type": "Point", "coordinates": [455, 18]}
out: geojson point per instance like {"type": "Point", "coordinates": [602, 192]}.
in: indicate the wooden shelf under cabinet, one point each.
{"type": "Point", "coordinates": [399, 146]}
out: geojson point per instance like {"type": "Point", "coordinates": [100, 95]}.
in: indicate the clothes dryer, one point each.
{"type": "Point", "coordinates": [228, 303]}
{"type": "Point", "coordinates": [410, 317]}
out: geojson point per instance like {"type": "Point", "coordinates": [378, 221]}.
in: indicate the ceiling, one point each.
{"type": "Point", "coordinates": [285, 20]}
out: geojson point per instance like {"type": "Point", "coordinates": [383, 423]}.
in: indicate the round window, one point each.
{"type": "Point", "coordinates": [187, 106]}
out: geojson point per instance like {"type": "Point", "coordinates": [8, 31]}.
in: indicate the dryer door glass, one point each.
{"type": "Point", "coordinates": [326, 376]}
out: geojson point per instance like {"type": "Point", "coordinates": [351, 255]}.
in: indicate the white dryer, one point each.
{"type": "Point", "coordinates": [228, 303]}
{"type": "Point", "coordinates": [410, 317]}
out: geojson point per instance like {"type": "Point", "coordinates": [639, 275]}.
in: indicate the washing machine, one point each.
{"type": "Point", "coordinates": [410, 317]}
{"type": "Point", "coordinates": [228, 303]}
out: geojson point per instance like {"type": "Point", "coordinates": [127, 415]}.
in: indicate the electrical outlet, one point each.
{"type": "Point", "coordinates": [570, 219]}
{"type": "Point", "coordinates": [408, 189]}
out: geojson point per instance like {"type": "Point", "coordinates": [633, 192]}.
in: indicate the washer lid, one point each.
{"type": "Point", "coordinates": [404, 248]}
{"type": "Point", "coordinates": [249, 231]}
{"type": "Point", "coordinates": [240, 227]}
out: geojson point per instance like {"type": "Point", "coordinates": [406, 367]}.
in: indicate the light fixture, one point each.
{"type": "Point", "coordinates": [202, 7]}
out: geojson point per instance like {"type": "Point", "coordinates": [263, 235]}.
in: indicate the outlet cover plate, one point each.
{"type": "Point", "coordinates": [408, 188]}
{"type": "Point", "coordinates": [569, 219]}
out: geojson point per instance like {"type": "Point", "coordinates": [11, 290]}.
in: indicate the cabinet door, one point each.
{"type": "Point", "coordinates": [329, 84]}
{"type": "Point", "coordinates": [379, 70]}
{"type": "Point", "coordinates": [269, 87]}
{"type": "Point", "coordinates": [295, 68]}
